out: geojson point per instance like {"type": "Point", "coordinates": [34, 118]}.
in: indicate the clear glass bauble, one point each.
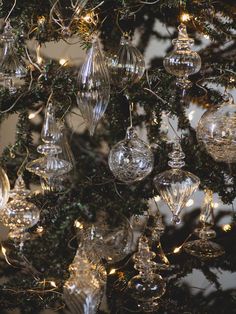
{"type": "Point", "coordinates": [182, 61]}
{"type": "Point", "coordinates": [147, 292]}
{"type": "Point", "coordinates": [4, 188]}
{"type": "Point", "coordinates": [93, 86]}
{"type": "Point", "coordinates": [217, 130]}
{"type": "Point", "coordinates": [109, 238]}
{"type": "Point", "coordinates": [176, 187]}
{"type": "Point", "coordinates": [203, 249]}
{"type": "Point", "coordinates": [127, 66]}
{"type": "Point", "coordinates": [12, 67]}
{"type": "Point", "coordinates": [131, 159]}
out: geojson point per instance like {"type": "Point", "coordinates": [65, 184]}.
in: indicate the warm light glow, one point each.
{"type": "Point", "coordinates": [88, 18]}
{"type": "Point", "coordinates": [63, 62]}
{"type": "Point", "coordinates": [112, 271]}
{"type": "Point", "coordinates": [227, 227]}
{"type": "Point", "coordinates": [177, 249]}
{"type": "Point", "coordinates": [41, 20]}
{"type": "Point", "coordinates": [32, 115]}
{"type": "Point", "coordinates": [40, 229]}
{"type": "Point", "coordinates": [215, 205]}
{"type": "Point", "coordinates": [190, 203]}
{"type": "Point", "coordinates": [53, 284]}
{"type": "Point", "coordinates": [206, 36]}
{"type": "Point", "coordinates": [190, 115]}
{"type": "Point", "coordinates": [157, 198]}
{"type": "Point", "coordinates": [231, 80]}
{"type": "Point", "coordinates": [4, 252]}
{"type": "Point", "coordinates": [78, 224]}
{"type": "Point", "coordinates": [185, 17]}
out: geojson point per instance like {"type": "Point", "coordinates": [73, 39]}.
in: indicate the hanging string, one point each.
{"type": "Point", "coordinates": [14, 4]}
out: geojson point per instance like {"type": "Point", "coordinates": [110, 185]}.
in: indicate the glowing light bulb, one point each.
{"type": "Point", "coordinates": [177, 250]}
{"type": "Point", "coordinates": [190, 203]}
{"type": "Point", "coordinates": [185, 17]}
{"type": "Point", "coordinates": [63, 62]}
{"type": "Point", "coordinates": [227, 227]}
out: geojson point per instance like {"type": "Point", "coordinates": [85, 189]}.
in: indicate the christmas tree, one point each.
{"type": "Point", "coordinates": [76, 193]}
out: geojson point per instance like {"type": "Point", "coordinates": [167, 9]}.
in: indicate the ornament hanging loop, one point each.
{"type": "Point", "coordinates": [10, 12]}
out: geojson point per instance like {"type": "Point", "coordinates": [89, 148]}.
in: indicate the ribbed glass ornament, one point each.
{"type": "Point", "coordinates": [93, 86]}
{"type": "Point", "coordinates": [127, 66]}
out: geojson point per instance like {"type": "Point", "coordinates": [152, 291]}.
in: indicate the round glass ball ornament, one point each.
{"type": "Point", "coordinates": [217, 130]}
{"type": "Point", "coordinates": [182, 61]}
{"type": "Point", "coordinates": [131, 159]}
{"type": "Point", "coordinates": [4, 188]}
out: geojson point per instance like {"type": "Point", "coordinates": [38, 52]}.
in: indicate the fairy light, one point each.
{"type": "Point", "coordinates": [215, 205]}
{"type": "Point", "coordinates": [232, 80]}
{"type": "Point", "coordinates": [227, 227]}
{"type": "Point", "coordinates": [112, 271]}
{"type": "Point", "coordinates": [185, 17]}
{"type": "Point", "coordinates": [4, 252]}
{"type": "Point", "coordinates": [53, 284]}
{"type": "Point", "coordinates": [78, 224]}
{"type": "Point", "coordinates": [206, 36]}
{"type": "Point", "coordinates": [190, 203]}
{"type": "Point", "coordinates": [157, 198]}
{"type": "Point", "coordinates": [63, 62]}
{"type": "Point", "coordinates": [190, 115]}
{"type": "Point", "coordinates": [40, 230]}
{"type": "Point", "coordinates": [41, 20]}
{"type": "Point", "coordinates": [177, 249]}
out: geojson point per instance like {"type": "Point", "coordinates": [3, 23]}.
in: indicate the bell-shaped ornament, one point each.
{"type": "Point", "coordinates": [50, 165]}
{"type": "Point", "coordinates": [131, 159]}
{"type": "Point", "coordinates": [217, 130]}
{"type": "Point", "coordinates": [4, 188]}
{"type": "Point", "coordinates": [176, 186]}
{"type": "Point", "coordinates": [182, 61]}
{"type": "Point", "coordinates": [11, 66]}
{"type": "Point", "coordinates": [93, 86]}
{"type": "Point", "coordinates": [19, 214]}
{"type": "Point", "coordinates": [127, 66]}
{"type": "Point", "coordinates": [64, 13]}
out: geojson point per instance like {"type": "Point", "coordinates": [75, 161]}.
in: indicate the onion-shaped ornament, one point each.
{"type": "Point", "coordinates": [182, 61]}
{"type": "Point", "coordinates": [93, 86]}
{"type": "Point", "coordinates": [127, 66]}
{"type": "Point", "coordinates": [19, 214]}
{"type": "Point", "coordinates": [131, 159]}
{"type": "Point", "coordinates": [11, 66]}
{"type": "Point", "coordinates": [176, 186]}
{"type": "Point", "coordinates": [217, 130]}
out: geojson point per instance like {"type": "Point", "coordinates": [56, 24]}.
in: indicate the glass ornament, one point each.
{"type": "Point", "coordinates": [50, 165]}
{"type": "Point", "coordinates": [147, 287]}
{"type": "Point", "coordinates": [176, 186]}
{"type": "Point", "coordinates": [203, 248]}
{"type": "Point", "coordinates": [11, 66]}
{"type": "Point", "coordinates": [93, 86]}
{"type": "Point", "coordinates": [127, 66]}
{"type": "Point", "coordinates": [4, 188]}
{"type": "Point", "coordinates": [84, 289]}
{"type": "Point", "coordinates": [182, 61]}
{"type": "Point", "coordinates": [19, 214]}
{"type": "Point", "coordinates": [131, 159]}
{"type": "Point", "coordinates": [217, 131]}
{"type": "Point", "coordinates": [64, 13]}
{"type": "Point", "coordinates": [108, 237]}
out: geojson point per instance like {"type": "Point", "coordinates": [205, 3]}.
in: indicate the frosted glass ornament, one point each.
{"type": "Point", "coordinates": [176, 186]}
{"type": "Point", "coordinates": [182, 61]}
{"type": "Point", "coordinates": [131, 159]}
{"type": "Point", "coordinates": [127, 66]}
{"type": "Point", "coordinates": [11, 66]}
{"type": "Point", "coordinates": [4, 188]}
{"type": "Point", "coordinates": [217, 131]}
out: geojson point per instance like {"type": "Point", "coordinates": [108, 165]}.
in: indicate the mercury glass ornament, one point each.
{"type": "Point", "coordinates": [109, 237]}
{"type": "Point", "coordinates": [127, 66]}
{"type": "Point", "coordinates": [176, 186]}
{"type": "Point", "coordinates": [50, 165]}
{"type": "Point", "coordinates": [203, 248]}
{"type": "Point", "coordinates": [182, 61]}
{"type": "Point", "coordinates": [11, 66]}
{"type": "Point", "coordinates": [217, 130]}
{"type": "Point", "coordinates": [147, 287]}
{"type": "Point", "coordinates": [93, 86]}
{"type": "Point", "coordinates": [4, 188]}
{"type": "Point", "coordinates": [131, 159]}
{"type": "Point", "coordinates": [64, 13]}
{"type": "Point", "coordinates": [19, 214]}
